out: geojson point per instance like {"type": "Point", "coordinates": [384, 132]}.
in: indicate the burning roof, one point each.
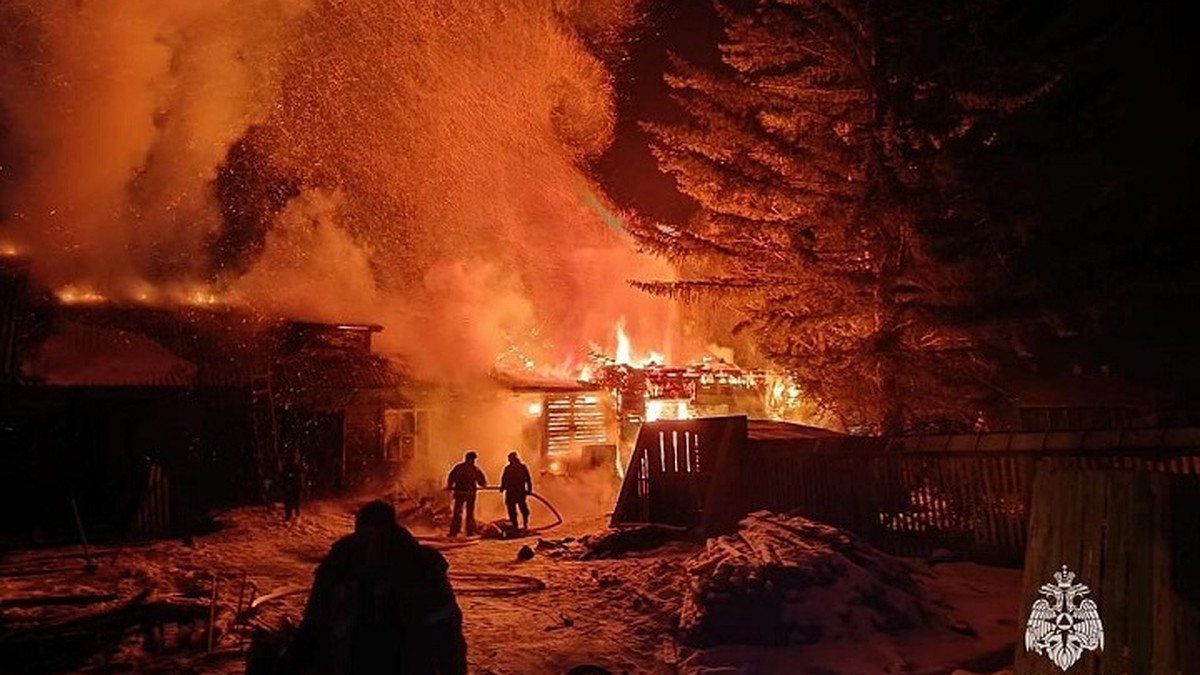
{"type": "Point", "coordinates": [125, 346]}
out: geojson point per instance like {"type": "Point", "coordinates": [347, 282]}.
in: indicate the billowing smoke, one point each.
{"type": "Point", "coordinates": [118, 115]}
{"type": "Point", "coordinates": [459, 132]}
{"type": "Point", "coordinates": [419, 164]}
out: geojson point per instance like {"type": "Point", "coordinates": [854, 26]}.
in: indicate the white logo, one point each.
{"type": "Point", "coordinates": [1064, 623]}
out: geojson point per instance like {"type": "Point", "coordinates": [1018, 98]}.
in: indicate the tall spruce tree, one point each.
{"type": "Point", "coordinates": [826, 157]}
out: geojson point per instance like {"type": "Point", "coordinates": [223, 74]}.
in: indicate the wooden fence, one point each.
{"type": "Point", "coordinates": [970, 494]}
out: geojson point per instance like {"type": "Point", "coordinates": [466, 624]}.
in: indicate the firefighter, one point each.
{"type": "Point", "coordinates": [465, 480]}
{"type": "Point", "coordinates": [380, 604]}
{"type": "Point", "coordinates": [292, 483]}
{"type": "Point", "coordinates": [516, 484]}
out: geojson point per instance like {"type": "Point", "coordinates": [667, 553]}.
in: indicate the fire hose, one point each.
{"type": "Point", "coordinates": [558, 519]}
{"type": "Point", "coordinates": [465, 583]}
{"type": "Point", "coordinates": [447, 543]}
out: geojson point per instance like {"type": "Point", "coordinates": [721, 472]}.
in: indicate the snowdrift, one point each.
{"type": "Point", "coordinates": [789, 580]}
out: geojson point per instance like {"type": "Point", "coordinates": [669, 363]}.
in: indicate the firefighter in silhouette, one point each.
{"type": "Point", "coordinates": [292, 483]}
{"type": "Point", "coordinates": [465, 480]}
{"type": "Point", "coordinates": [380, 604]}
{"type": "Point", "coordinates": [516, 484]}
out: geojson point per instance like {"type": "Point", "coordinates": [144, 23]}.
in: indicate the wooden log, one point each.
{"type": "Point", "coordinates": [1130, 536]}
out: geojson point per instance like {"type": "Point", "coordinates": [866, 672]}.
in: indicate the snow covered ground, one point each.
{"type": "Point", "coordinates": [617, 613]}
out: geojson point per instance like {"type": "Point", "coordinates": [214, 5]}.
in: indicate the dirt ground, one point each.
{"type": "Point", "coordinates": [613, 613]}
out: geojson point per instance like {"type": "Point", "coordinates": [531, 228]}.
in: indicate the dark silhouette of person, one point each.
{"type": "Point", "coordinates": [380, 604]}
{"type": "Point", "coordinates": [516, 484]}
{"type": "Point", "coordinates": [292, 482]}
{"type": "Point", "coordinates": [465, 480]}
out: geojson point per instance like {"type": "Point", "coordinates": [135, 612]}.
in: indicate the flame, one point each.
{"type": "Point", "coordinates": [8, 250]}
{"type": "Point", "coordinates": [781, 397]}
{"type": "Point", "coordinates": [75, 295]}
{"type": "Point", "coordinates": [624, 354]}
{"type": "Point", "coordinates": [667, 409]}
{"type": "Point", "coordinates": [145, 293]}
{"type": "Point", "coordinates": [202, 298]}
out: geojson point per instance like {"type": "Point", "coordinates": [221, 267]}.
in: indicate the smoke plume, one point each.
{"type": "Point", "coordinates": [119, 114]}
{"type": "Point", "coordinates": [433, 158]}
{"type": "Point", "coordinates": [416, 164]}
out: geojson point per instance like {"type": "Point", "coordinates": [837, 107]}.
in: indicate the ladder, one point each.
{"type": "Point", "coordinates": [266, 430]}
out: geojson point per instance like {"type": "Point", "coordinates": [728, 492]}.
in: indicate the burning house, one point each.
{"type": "Point", "coordinates": [138, 414]}
{"type": "Point", "coordinates": [572, 425]}
{"type": "Point", "coordinates": [594, 418]}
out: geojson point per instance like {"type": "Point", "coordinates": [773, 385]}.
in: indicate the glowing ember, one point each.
{"type": "Point", "coordinates": [9, 250]}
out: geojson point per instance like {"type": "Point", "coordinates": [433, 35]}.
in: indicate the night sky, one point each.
{"type": "Point", "coordinates": [691, 30]}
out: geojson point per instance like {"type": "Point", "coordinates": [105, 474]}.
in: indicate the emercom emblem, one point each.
{"type": "Point", "coordinates": [1064, 624]}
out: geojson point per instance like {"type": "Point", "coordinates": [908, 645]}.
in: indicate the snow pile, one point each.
{"type": "Point", "coordinates": [615, 543]}
{"type": "Point", "coordinates": [788, 580]}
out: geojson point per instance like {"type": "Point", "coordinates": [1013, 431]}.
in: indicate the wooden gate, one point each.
{"type": "Point", "coordinates": [669, 474]}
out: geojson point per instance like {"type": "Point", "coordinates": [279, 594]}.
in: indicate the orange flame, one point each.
{"type": "Point", "coordinates": [667, 409]}
{"type": "Point", "coordinates": [75, 295]}
{"type": "Point", "coordinates": [624, 355]}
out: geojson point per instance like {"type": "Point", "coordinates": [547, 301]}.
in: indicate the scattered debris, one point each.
{"type": "Point", "coordinates": [501, 529]}
{"type": "Point", "coordinates": [525, 553]}
{"type": "Point", "coordinates": [567, 547]}
{"type": "Point", "coordinates": [428, 511]}
{"type": "Point", "coordinates": [616, 543]}
{"type": "Point", "coordinates": [788, 580]}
